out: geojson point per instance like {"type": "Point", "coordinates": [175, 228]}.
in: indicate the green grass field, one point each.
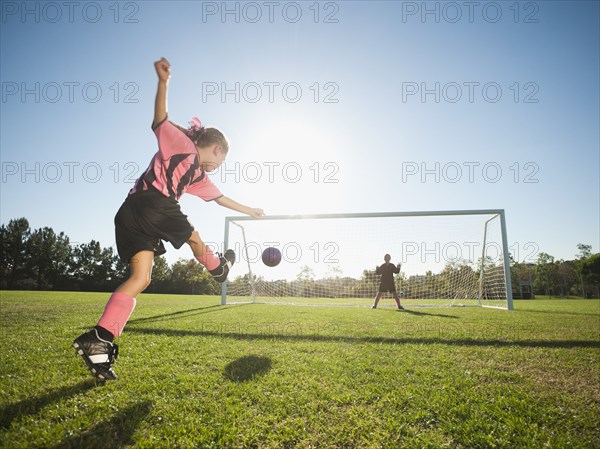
{"type": "Point", "coordinates": [194, 374]}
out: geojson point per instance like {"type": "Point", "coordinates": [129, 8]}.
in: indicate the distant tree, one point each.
{"type": "Point", "coordinates": [306, 274]}
{"type": "Point", "coordinates": [400, 281]}
{"type": "Point", "coordinates": [49, 257]}
{"type": "Point", "coordinates": [458, 280]}
{"type": "Point", "coordinates": [567, 278]}
{"type": "Point", "coordinates": [545, 270]}
{"type": "Point", "coordinates": [368, 284]}
{"type": "Point", "coordinates": [14, 256]}
{"type": "Point", "coordinates": [242, 285]}
{"type": "Point", "coordinates": [305, 282]}
{"type": "Point", "coordinates": [121, 269]}
{"type": "Point", "coordinates": [94, 267]}
{"type": "Point", "coordinates": [522, 276]}
{"type": "Point", "coordinates": [333, 272]}
{"type": "Point", "coordinates": [432, 284]}
{"type": "Point", "coordinates": [161, 276]}
{"type": "Point", "coordinates": [585, 251]}
{"type": "Point", "coordinates": [188, 276]}
{"type": "Point", "coordinates": [590, 271]}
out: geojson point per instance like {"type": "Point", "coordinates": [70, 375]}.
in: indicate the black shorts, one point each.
{"type": "Point", "coordinates": [146, 219]}
{"type": "Point", "coordinates": [387, 288]}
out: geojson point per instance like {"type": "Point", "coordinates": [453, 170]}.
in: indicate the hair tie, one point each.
{"type": "Point", "coordinates": [196, 127]}
{"type": "Point", "coordinates": [195, 123]}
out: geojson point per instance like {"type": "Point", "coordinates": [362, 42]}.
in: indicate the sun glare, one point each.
{"type": "Point", "coordinates": [294, 167]}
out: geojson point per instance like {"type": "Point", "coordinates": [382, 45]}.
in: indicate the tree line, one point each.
{"type": "Point", "coordinates": [41, 259]}
{"type": "Point", "coordinates": [563, 278]}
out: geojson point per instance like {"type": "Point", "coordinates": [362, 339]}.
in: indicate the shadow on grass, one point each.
{"type": "Point", "coordinates": [184, 313]}
{"type": "Point", "coordinates": [416, 313]}
{"type": "Point", "coordinates": [31, 406]}
{"type": "Point", "coordinates": [117, 432]}
{"type": "Point", "coordinates": [246, 368]}
{"type": "Point", "coordinates": [463, 340]}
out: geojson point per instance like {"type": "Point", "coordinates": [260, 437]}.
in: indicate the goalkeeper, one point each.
{"type": "Point", "coordinates": [387, 271]}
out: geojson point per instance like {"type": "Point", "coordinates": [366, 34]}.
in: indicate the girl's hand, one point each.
{"type": "Point", "coordinates": [256, 213]}
{"type": "Point", "coordinates": [163, 69]}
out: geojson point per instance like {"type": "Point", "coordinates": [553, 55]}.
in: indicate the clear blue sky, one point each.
{"type": "Point", "coordinates": [405, 109]}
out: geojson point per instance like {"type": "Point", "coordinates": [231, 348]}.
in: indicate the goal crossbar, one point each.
{"type": "Point", "coordinates": [368, 215]}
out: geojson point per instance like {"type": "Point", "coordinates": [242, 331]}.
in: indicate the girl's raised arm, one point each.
{"type": "Point", "coordinates": [163, 70]}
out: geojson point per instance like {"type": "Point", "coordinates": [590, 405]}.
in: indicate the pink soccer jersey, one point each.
{"type": "Point", "coordinates": [175, 169]}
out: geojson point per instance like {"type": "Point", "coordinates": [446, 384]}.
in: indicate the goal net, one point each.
{"type": "Point", "coordinates": [450, 258]}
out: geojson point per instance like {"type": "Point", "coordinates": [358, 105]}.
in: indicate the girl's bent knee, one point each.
{"type": "Point", "coordinates": [146, 284]}
{"type": "Point", "coordinates": [140, 283]}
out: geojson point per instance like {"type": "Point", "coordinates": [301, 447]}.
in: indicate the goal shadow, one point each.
{"type": "Point", "coordinates": [460, 341]}
{"type": "Point", "coordinates": [184, 313]}
{"type": "Point", "coordinates": [418, 313]}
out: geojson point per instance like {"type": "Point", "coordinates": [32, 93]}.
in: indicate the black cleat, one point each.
{"type": "Point", "coordinates": [99, 355]}
{"type": "Point", "coordinates": [227, 260]}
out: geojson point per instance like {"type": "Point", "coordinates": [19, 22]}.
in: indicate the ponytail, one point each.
{"type": "Point", "coordinates": [203, 137]}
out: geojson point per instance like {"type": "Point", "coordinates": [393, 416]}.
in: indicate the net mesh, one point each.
{"type": "Point", "coordinates": [445, 260]}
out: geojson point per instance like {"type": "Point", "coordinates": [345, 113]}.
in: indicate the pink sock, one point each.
{"type": "Point", "coordinates": [116, 313]}
{"type": "Point", "coordinates": [209, 260]}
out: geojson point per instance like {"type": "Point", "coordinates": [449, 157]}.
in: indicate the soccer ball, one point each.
{"type": "Point", "coordinates": [271, 256]}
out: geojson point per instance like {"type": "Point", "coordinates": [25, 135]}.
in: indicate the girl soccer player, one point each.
{"type": "Point", "coordinates": [387, 271]}
{"type": "Point", "coordinates": [151, 214]}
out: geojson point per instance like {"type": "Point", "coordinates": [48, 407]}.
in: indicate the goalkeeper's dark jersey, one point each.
{"type": "Point", "coordinates": [387, 271]}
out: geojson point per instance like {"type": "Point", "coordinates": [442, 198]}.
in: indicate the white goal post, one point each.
{"type": "Point", "coordinates": [447, 258]}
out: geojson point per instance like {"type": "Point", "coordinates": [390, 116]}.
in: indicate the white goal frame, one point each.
{"type": "Point", "coordinates": [495, 213]}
